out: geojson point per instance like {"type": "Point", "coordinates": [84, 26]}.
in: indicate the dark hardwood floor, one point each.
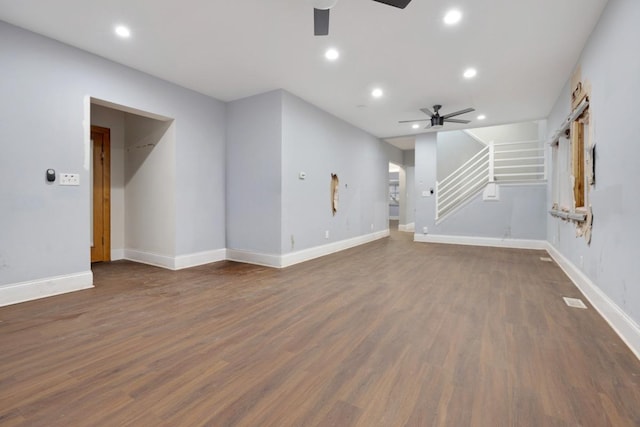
{"type": "Point", "coordinates": [392, 333]}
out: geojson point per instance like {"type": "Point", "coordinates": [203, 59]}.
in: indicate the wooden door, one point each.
{"type": "Point", "coordinates": [101, 192]}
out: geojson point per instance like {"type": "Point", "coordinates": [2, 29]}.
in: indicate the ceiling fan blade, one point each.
{"type": "Point", "coordinates": [457, 113]}
{"type": "Point", "coordinates": [412, 121]}
{"type": "Point", "coordinates": [457, 121]}
{"type": "Point", "coordinates": [320, 22]}
{"type": "Point", "coordinates": [395, 3]}
{"type": "Point", "coordinates": [427, 111]}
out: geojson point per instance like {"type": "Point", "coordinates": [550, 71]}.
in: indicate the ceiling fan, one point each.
{"type": "Point", "coordinates": [321, 13]}
{"type": "Point", "coordinates": [436, 120]}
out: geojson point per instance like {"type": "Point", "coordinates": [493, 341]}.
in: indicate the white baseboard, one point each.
{"type": "Point", "coordinates": [199, 258]}
{"type": "Point", "coordinates": [330, 248]}
{"type": "Point", "coordinates": [286, 260]}
{"type": "Point", "coordinates": [41, 288]}
{"type": "Point", "coordinates": [257, 258]}
{"type": "Point", "coordinates": [481, 241]}
{"type": "Point", "coordinates": [150, 258]}
{"type": "Point", "coordinates": [117, 254]}
{"type": "Point", "coordinates": [626, 328]}
{"type": "Point", "coordinates": [411, 227]}
{"type": "Point", "coordinates": [175, 263]}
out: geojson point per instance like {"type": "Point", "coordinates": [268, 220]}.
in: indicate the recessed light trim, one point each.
{"type": "Point", "coordinates": [123, 31]}
{"type": "Point", "coordinates": [377, 93]}
{"type": "Point", "coordinates": [482, 117]}
{"type": "Point", "coordinates": [452, 17]}
{"type": "Point", "coordinates": [332, 54]}
{"type": "Point", "coordinates": [470, 73]}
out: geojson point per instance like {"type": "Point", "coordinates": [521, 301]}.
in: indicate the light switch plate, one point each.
{"type": "Point", "coordinates": [69, 179]}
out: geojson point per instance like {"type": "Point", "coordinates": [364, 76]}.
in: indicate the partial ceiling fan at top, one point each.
{"type": "Point", "coordinates": [321, 13]}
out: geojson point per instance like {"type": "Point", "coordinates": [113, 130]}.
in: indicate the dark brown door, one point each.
{"type": "Point", "coordinates": [101, 193]}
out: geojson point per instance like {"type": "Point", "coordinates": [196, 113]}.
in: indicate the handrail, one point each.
{"type": "Point", "coordinates": [471, 188]}
{"type": "Point", "coordinates": [461, 178]}
{"type": "Point", "coordinates": [497, 144]}
{"type": "Point", "coordinates": [482, 168]}
{"type": "Point", "coordinates": [534, 165]}
{"type": "Point", "coordinates": [472, 175]}
{"type": "Point", "coordinates": [519, 150]}
{"type": "Point", "coordinates": [519, 158]}
{"type": "Point", "coordinates": [465, 163]}
{"type": "Point", "coordinates": [453, 178]}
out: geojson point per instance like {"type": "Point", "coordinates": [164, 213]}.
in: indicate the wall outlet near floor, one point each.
{"type": "Point", "coordinates": [425, 230]}
{"type": "Point", "coordinates": [69, 179]}
{"type": "Point", "coordinates": [371, 227]}
{"type": "Point", "coordinates": [326, 234]}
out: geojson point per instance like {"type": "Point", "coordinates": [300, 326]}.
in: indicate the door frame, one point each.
{"type": "Point", "coordinates": [106, 191]}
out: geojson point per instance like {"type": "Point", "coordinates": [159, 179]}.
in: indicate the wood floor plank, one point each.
{"type": "Point", "coordinates": [391, 333]}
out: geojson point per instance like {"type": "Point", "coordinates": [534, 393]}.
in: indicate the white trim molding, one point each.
{"type": "Point", "coordinates": [480, 241]}
{"type": "Point", "coordinates": [286, 260]}
{"type": "Point", "coordinates": [330, 248]}
{"type": "Point", "coordinates": [41, 288]}
{"type": "Point", "coordinates": [175, 263]}
{"type": "Point", "coordinates": [150, 258]}
{"type": "Point", "coordinates": [257, 258]}
{"type": "Point", "coordinates": [626, 328]}
{"type": "Point", "coordinates": [411, 227]}
{"type": "Point", "coordinates": [199, 258]}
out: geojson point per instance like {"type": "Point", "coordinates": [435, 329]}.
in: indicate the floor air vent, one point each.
{"type": "Point", "coordinates": [545, 259]}
{"type": "Point", "coordinates": [574, 302]}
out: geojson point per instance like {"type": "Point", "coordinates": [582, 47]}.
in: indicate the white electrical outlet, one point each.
{"type": "Point", "coordinates": [371, 227]}
{"type": "Point", "coordinates": [326, 234]}
{"type": "Point", "coordinates": [425, 230]}
{"type": "Point", "coordinates": [69, 179]}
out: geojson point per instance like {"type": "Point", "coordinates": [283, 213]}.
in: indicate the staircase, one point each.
{"type": "Point", "coordinates": [507, 162]}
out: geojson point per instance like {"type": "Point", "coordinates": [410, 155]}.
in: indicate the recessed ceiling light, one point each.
{"type": "Point", "coordinates": [452, 17]}
{"type": "Point", "coordinates": [415, 126]}
{"type": "Point", "coordinates": [376, 93]}
{"type": "Point", "coordinates": [470, 73]}
{"type": "Point", "coordinates": [332, 54]}
{"type": "Point", "coordinates": [123, 31]}
{"type": "Point", "coordinates": [482, 117]}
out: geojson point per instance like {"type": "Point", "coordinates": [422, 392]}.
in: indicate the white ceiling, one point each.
{"type": "Point", "coordinates": [524, 51]}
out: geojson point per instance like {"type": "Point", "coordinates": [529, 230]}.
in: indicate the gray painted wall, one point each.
{"type": "Point", "coordinates": [410, 172]}
{"type": "Point", "coordinates": [317, 143]}
{"type": "Point", "coordinates": [611, 261]}
{"type": "Point", "coordinates": [254, 159]}
{"type": "Point", "coordinates": [454, 149]}
{"type": "Point", "coordinates": [519, 214]}
{"type": "Point", "coordinates": [425, 178]}
{"type": "Point", "coordinates": [45, 124]}
{"type": "Point", "coordinates": [150, 170]}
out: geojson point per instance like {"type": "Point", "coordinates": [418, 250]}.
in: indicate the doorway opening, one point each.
{"type": "Point", "coordinates": [394, 196]}
{"type": "Point", "coordinates": [133, 192]}
{"type": "Point", "coordinates": [100, 189]}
